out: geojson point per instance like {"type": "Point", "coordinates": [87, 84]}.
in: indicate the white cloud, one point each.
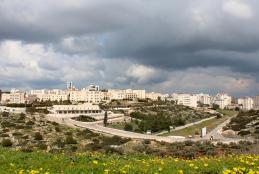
{"type": "Point", "coordinates": [141, 73]}
{"type": "Point", "coordinates": [238, 8]}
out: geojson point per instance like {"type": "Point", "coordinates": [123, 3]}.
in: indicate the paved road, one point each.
{"type": "Point", "coordinates": [217, 133]}
{"type": "Point", "coordinates": [122, 133]}
{"type": "Point", "coordinates": [96, 127]}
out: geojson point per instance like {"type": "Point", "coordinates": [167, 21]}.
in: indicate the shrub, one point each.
{"type": "Point", "coordinates": [244, 132]}
{"type": "Point", "coordinates": [218, 116]}
{"type": "Point", "coordinates": [188, 143]}
{"type": "Point", "coordinates": [4, 135]}
{"type": "Point", "coordinates": [70, 140]}
{"type": "Point", "coordinates": [54, 123]}
{"type": "Point", "coordinates": [93, 147]}
{"type": "Point", "coordinates": [114, 140]}
{"type": "Point", "coordinates": [73, 148]}
{"type": "Point", "coordinates": [114, 150]}
{"type": "Point", "coordinates": [6, 143]}
{"type": "Point", "coordinates": [6, 130]}
{"type": "Point", "coordinates": [28, 148]}
{"type": "Point", "coordinates": [146, 141]}
{"type": "Point", "coordinates": [42, 146]}
{"type": "Point", "coordinates": [7, 124]}
{"type": "Point", "coordinates": [68, 133]}
{"type": "Point", "coordinates": [5, 114]}
{"type": "Point", "coordinates": [57, 129]}
{"type": "Point", "coordinates": [189, 155]}
{"type": "Point", "coordinates": [30, 123]}
{"type": "Point", "coordinates": [38, 136]}
{"type": "Point", "coordinates": [22, 116]}
{"type": "Point", "coordinates": [17, 134]}
{"type": "Point", "coordinates": [19, 126]}
{"type": "Point", "coordinates": [59, 142]}
{"type": "Point", "coordinates": [128, 127]}
{"type": "Point", "coordinates": [25, 137]}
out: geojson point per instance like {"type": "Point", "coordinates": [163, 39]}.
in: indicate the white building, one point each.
{"type": "Point", "coordinates": [154, 95]}
{"type": "Point", "coordinates": [185, 99]}
{"type": "Point", "coordinates": [130, 94]}
{"type": "Point", "coordinates": [86, 108]}
{"type": "Point", "coordinates": [222, 100]}
{"type": "Point", "coordinates": [116, 94]}
{"type": "Point", "coordinates": [14, 97]}
{"type": "Point", "coordinates": [91, 94]}
{"type": "Point", "coordinates": [246, 103]}
{"type": "Point", "coordinates": [204, 98]}
{"type": "Point", "coordinates": [256, 102]}
{"type": "Point", "coordinates": [141, 94]}
{"type": "Point", "coordinates": [5, 98]}
{"type": "Point", "coordinates": [50, 95]}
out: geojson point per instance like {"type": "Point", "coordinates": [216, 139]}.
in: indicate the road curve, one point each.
{"type": "Point", "coordinates": [122, 133]}
{"type": "Point", "coordinates": [98, 128]}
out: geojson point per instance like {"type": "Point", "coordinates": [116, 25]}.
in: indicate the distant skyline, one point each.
{"type": "Point", "coordinates": [168, 46]}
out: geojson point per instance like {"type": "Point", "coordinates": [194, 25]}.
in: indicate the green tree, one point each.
{"type": "Point", "coordinates": [128, 127]}
{"type": "Point", "coordinates": [105, 120]}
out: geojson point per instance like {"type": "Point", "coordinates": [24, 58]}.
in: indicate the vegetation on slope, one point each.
{"type": "Point", "coordinates": [195, 129]}
{"type": "Point", "coordinates": [245, 124]}
{"type": "Point", "coordinates": [33, 133]}
{"type": "Point", "coordinates": [161, 117]}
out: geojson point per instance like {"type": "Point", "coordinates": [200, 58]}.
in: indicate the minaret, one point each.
{"type": "Point", "coordinates": [69, 85]}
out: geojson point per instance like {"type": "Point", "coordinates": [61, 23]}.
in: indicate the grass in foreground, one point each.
{"type": "Point", "coordinates": [210, 124]}
{"type": "Point", "coordinates": [97, 163]}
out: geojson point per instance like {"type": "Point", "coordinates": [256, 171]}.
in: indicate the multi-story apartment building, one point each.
{"type": "Point", "coordinates": [154, 95]}
{"type": "Point", "coordinates": [18, 97]}
{"type": "Point", "coordinates": [91, 94]}
{"type": "Point", "coordinates": [120, 94]}
{"type": "Point", "coordinates": [141, 94]}
{"type": "Point", "coordinates": [5, 98]}
{"type": "Point", "coordinates": [185, 99]}
{"type": "Point", "coordinates": [50, 95]}
{"type": "Point", "coordinates": [15, 96]}
{"type": "Point", "coordinates": [246, 103]}
{"type": "Point", "coordinates": [116, 94]}
{"type": "Point", "coordinates": [204, 99]}
{"type": "Point", "coordinates": [222, 100]}
{"type": "Point", "coordinates": [256, 102]}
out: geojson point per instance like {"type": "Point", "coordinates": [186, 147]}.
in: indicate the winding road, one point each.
{"type": "Point", "coordinates": [95, 126]}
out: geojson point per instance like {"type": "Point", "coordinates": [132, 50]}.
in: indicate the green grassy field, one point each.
{"type": "Point", "coordinates": [15, 162]}
{"type": "Point", "coordinates": [210, 124]}
{"type": "Point", "coordinates": [227, 112]}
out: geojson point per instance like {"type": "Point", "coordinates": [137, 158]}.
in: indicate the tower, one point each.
{"type": "Point", "coordinates": [69, 85]}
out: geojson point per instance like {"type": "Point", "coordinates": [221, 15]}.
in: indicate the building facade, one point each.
{"type": "Point", "coordinates": [246, 103]}
{"type": "Point", "coordinates": [256, 102]}
{"type": "Point", "coordinates": [204, 99]}
{"type": "Point", "coordinates": [222, 100]}
{"type": "Point", "coordinates": [86, 108]}
{"type": "Point", "coordinates": [185, 99]}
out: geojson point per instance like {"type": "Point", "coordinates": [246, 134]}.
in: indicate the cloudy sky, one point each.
{"type": "Point", "coordinates": [168, 45]}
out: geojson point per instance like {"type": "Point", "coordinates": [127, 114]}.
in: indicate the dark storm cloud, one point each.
{"type": "Point", "coordinates": [168, 35]}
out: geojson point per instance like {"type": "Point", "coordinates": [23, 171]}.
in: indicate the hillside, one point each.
{"type": "Point", "coordinates": [97, 163]}
{"type": "Point", "coordinates": [33, 133]}
{"type": "Point", "coordinates": [160, 116]}
{"type": "Point", "coordinates": [245, 124]}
